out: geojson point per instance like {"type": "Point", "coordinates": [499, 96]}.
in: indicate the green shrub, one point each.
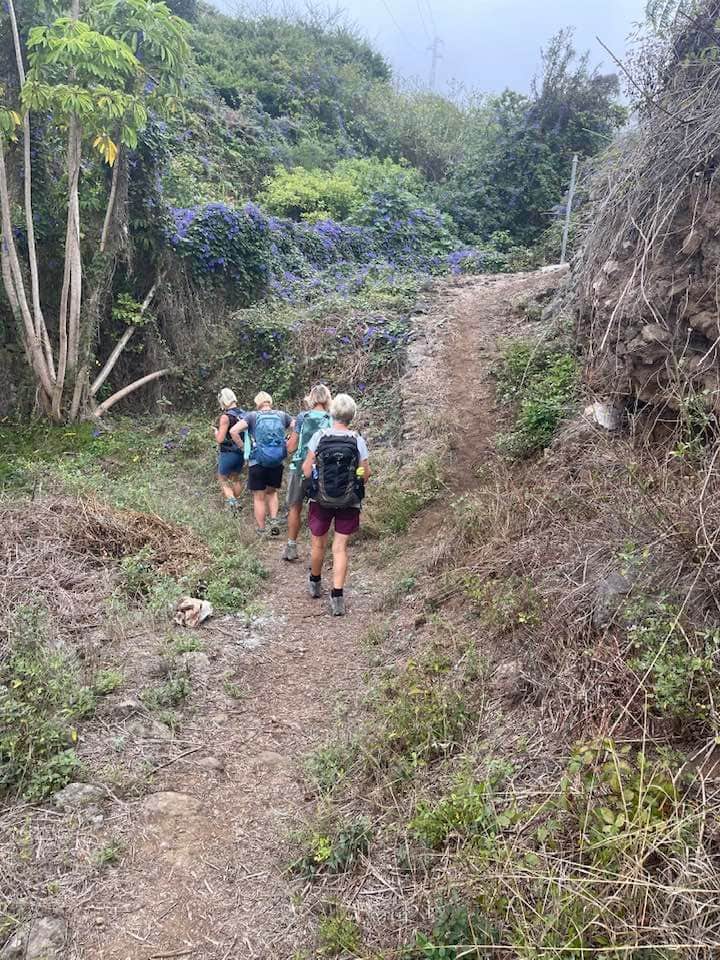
{"type": "Point", "coordinates": [682, 663]}
{"type": "Point", "coordinates": [334, 850]}
{"type": "Point", "coordinates": [327, 767]}
{"type": "Point", "coordinates": [469, 811]}
{"type": "Point", "coordinates": [541, 383]}
{"type": "Point", "coordinates": [420, 716]}
{"type": "Point", "coordinates": [338, 935]}
{"type": "Point", "coordinates": [42, 700]}
{"type": "Point", "coordinates": [457, 929]}
{"type": "Point", "coordinates": [311, 195]}
{"type": "Point", "coordinates": [397, 500]}
{"type": "Point", "coordinates": [505, 604]}
{"type": "Point", "coordinates": [171, 693]}
{"type": "Point", "coordinates": [107, 681]}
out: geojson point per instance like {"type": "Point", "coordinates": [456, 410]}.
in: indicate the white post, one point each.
{"type": "Point", "coordinates": [568, 211]}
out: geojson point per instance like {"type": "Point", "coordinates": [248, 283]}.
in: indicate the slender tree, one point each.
{"type": "Point", "coordinates": [96, 73]}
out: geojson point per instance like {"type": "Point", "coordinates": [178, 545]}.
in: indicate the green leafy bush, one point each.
{"type": "Point", "coordinates": [338, 935]}
{"type": "Point", "coordinates": [171, 693]}
{"type": "Point", "coordinates": [420, 716]}
{"type": "Point", "coordinates": [42, 701]}
{"type": "Point", "coordinates": [541, 383]}
{"type": "Point", "coordinates": [334, 850]}
{"type": "Point", "coordinates": [469, 811]}
{"type": "Point", "coordinates": [327, 766]}
{"type": "Point", "coordinates": [682, 663]}
{"type": "Point", "coordinates": [311, 195]}
{"type": "Point", "coordinates": [457, 929]}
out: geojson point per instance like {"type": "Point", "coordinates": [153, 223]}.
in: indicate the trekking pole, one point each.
{"type": "Point", "coordinates": [568, 211]}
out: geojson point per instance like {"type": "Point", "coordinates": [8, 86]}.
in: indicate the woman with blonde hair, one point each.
{"type": "Point", "coordinates": [314, 418]}
{"type": "Point", "coordinates": [231, 458]}
{"type": "Point", "coordinates": [337, 467]}
{"type": "Point", "coordinates": [268, 449]}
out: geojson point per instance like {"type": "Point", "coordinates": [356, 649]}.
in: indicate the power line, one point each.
{"type": "Point", "coordinates": [422, 19]}
{"type": "Point", "coordinates": [432, 17]}
{"type": "Point", "coordinates": [434, 49]}
{"type": "Point", "coordinates": [397, 25]}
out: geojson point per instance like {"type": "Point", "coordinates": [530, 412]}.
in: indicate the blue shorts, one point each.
{"type": "Point", "coordinates": [230, 463]}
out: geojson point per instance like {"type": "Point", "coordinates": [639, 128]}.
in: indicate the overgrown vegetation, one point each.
{"type": "Point", "coordinates": [540, 383]}
{"type": "Point", "coordinates": [42, 702]}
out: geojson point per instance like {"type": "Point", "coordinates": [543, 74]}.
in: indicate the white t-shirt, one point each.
{"type": "Point", "coordinates": [334, 432]}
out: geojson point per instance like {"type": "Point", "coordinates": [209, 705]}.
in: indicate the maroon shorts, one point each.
{"type": "Point", "coordinates": [319, 520]}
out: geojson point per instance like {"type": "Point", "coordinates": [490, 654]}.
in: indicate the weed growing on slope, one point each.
{"type": "Point", "coordinates": [338, 935]}
{"type": "Point", "coordinates": [333, 849]}
{"type": "Point", "coordinates": [397, 500]}
{"type": "Point", "coordinates": [469, 811]}
{"type": "Point", "coordinates": [42, 701]}
{"type": "Point", "coordinates": [682, 663]}
{"type": "Point", "coordinates": [541, 383]}
{"type": "Point", "coordinates": [456, 931]}
{"type": "Point", "coordinates": [420, 715]}
{"type": "Point", "coordinates": [327, 767]}
{"type": "Point", "coordinates": [171, 693]}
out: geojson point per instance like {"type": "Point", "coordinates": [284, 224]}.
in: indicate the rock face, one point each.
{"type": "Point", "coordinates": [42, 939]}
{"type": "Point", "coordinates": [648, 310]}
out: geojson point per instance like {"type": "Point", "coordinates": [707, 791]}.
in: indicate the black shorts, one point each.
{"type": "Point", "coordinates": [262, 478]}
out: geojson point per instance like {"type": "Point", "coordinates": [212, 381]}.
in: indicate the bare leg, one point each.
{"type": "Point", "coordinates": [237, 486]}
{"type": "Point", "coordinates": [226, 487]}
{"type": "Point", "coordinates": [273, 503]}
{"type": "Point", "coordinates": [317, 555]}
{"type": "Point", "coordinates": [294, 513]}
{"type": "Point", "coordinates": [259, 508]}
{"type": "Point", "coordinates": [340, 560]}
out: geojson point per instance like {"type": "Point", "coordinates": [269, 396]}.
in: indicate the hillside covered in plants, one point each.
{"type": "Point", "coordinates": [180, 186]}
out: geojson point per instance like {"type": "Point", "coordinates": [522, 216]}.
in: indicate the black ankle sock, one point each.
{"type": "Point", "coordinates": [314, 578]}
{"type": "Point", "coordinates": [336, 593]}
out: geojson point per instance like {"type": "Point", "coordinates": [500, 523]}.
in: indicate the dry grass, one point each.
{"type": "Point", "coordinates": [60, 552]}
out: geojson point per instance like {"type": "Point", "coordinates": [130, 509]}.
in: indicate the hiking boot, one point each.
{"type": "Point", "coordinates": [260, 531]}
{"type": "Point", "coordinates": [232, 504]}
{"type": "Point", "coordinates": [337, 606]}
{"type": "Point", "coordinates": [290, 552]}
{"type": "Point", "coordinates": [274, 527]}
{"type": "Point", "coordinates": [314, 588]}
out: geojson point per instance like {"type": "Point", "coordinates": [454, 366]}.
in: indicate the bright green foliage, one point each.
{"type": "Point", "coordinates": [338, 936]}
{"type": "Point", "coordinates": [682, 665]}
{"type": "Point", "coordinates": [42, 700]}
{"type": "Point", "coordinates": [626, 804]}
{"type": "Point", "coordinates": [340, 193]}
{"type": "Point", "coordinates": [469, 812]}
{"type": "Point", "coordinates": [541, 382]}
{"type": "Point", "coordinates": [421, 716]}
{"type": "Point", "coordinates": [334, 850]}
{"type": "Point", "coordinates": [107, 681]}
{"type": "Point", "coordinates": [89, 69]}
{"type": "Point", "coordinates": [400, 499]}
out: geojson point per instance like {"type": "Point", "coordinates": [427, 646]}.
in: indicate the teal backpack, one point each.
{"type": "Point", "coordinates": [312, 422]}
{"type": "Point", "coordinates": [270, 448]}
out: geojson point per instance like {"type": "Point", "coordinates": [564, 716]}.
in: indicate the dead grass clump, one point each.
{"type": "Point", "coordinates": [559, 558]}
{"type": "Point", "coordinates": [58, 551]}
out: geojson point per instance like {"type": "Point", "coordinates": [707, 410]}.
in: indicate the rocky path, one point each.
{"type": "Point", "coordinates": [203, 870]}
{"type": "Point", "coordinates": [206, 872]}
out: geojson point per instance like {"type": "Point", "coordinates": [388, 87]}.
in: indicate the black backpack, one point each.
{"type": "Point", "coordinates": [233, 414]}
{"type": "Point", "coordinates": [335, 484]}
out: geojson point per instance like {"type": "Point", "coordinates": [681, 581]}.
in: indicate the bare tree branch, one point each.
{"type": "Point", "coordinates": [130, 388]}
{"type": "Point", "coordinates": [121, 344]}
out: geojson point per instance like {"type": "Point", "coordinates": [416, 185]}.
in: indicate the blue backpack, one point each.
{"type": "Point", "coordinates": [270, 446]}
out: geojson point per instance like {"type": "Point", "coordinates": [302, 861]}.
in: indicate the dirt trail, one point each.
{"type": "Point", "coordinates": [204, 873]}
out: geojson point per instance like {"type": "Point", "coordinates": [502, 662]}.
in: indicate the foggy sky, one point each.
{"type": "Point", "coordinates": [487, 44]}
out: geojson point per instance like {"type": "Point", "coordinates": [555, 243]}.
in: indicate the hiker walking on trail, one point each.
{"type": "Point", "coordinates": [267, 429]}
{"type": "Point", "coordinates": [307, 424]}
{"type": "Point", "coordinates": [231, 458]}
{"type": "Point", "coordinates": [337, 467]}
